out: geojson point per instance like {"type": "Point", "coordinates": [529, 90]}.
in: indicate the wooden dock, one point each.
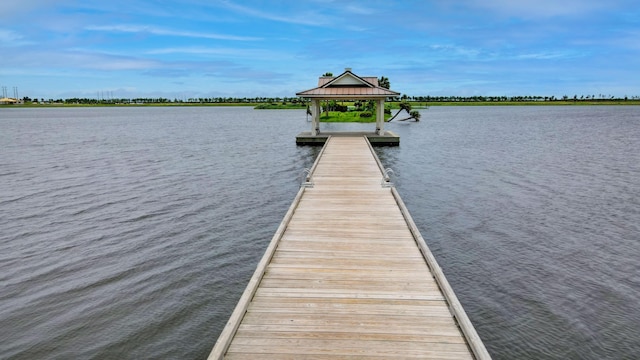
{"type": "Point", "coordinates": [348, 275]}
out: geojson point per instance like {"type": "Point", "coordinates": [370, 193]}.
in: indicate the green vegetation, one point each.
{"type": "Point", "coordinates": [169, 104]}
{"type": "Point", "coordinates": [601, 99]}
{"type": "Point", "coordinates": [406, 107]}
{"type": "Point", "coordinates": [384, 82]}
{"type": "Point", "coordinates": [281, 106]}
{"type": "Point", "coordinates": [352, 116]}
{"type": "Point", "coordinates": [530, 103]}
{"type": "Point", "coordinates": [299, 103]}
{"type": "Point", "coordinates": [269, 102]}
{"type": "Point", "coordinates": [357, 111]}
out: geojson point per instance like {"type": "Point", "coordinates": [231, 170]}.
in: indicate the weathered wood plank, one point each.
{"type": "Point", "coordinates": [311, 306]}
{"type": "Point", "coordinates": [350, 235]}
{"type": "Point", "coordinates": [378, 346]}
{"type": "Point", "coordinates": [354, 262]}
{"type": "Point", "coordinates": [353, 294]}
{"type": "Point", "coordinates": [319, 320]}
{"type": "Point", "coordinates": [265, 356]}
{"type": "Point", "coordinates": [328, 335]}
{"type": "Point", "coordinates": [386, 246]}
{"type": "Point", "coordinates": [354, 328]}
{"type": "Point", "coordinates": [349, 255]}
{"type": "Point", "coordinates": [351, 347]}
{"type": "Point", "coordinates": [387, 275]}
{"type": "Point", "coordinates": [348, 284]}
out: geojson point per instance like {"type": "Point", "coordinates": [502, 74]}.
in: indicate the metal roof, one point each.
{"type": "Point", "coordinates": [348, 86]}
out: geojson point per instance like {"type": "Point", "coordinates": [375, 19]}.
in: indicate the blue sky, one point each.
{"type": "Point", "coordinates": [207, 48]}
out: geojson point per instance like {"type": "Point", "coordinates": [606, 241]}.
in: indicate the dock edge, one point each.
{"type": "Point", "coordinates": [467, 328]}
{"type": "Point", "coordinates": [226, 336]}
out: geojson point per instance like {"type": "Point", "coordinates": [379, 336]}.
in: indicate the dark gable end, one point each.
{"type": "Point", "coordinates": [349, 79]}
{"type": "Point", "coordinates": [348, 85]}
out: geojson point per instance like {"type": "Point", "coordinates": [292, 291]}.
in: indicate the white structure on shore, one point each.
{"type": "Point", "coordinates": [8, 101]}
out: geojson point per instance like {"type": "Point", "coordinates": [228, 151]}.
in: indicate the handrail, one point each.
{"type": "Point", "coordinates": [386, 178]}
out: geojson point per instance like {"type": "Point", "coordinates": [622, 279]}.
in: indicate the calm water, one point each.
{"type": "Point", "coordinates": [130, 233]}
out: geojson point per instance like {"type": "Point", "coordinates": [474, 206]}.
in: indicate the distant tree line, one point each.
{"type": "Point", "coordinates": [527, 98]}
{"type": "Point", "coordinates": [332, 106]}
{"type": "Point", "coordinates": [160, 100]}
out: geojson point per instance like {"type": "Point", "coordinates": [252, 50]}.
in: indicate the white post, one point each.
{"type": "Point", "coordinates": [380, 117]}
{"type": "Point", "coordinates": [315, 117]}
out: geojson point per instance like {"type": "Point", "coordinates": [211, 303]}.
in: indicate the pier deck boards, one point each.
{"type": "Point", "coordinates": [345, 277]}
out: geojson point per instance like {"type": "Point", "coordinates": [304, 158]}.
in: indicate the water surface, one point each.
{"type": "Point", "coordinates": [132, 232]}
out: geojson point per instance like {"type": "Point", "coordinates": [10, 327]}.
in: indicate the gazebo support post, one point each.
{"type": "Point", "coordinates": [380, 117]}
{"type": "Point", "coordinates": [315, 117]}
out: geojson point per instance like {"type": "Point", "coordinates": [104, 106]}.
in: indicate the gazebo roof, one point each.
{"type": "Point", "coordinates": [348, 86]}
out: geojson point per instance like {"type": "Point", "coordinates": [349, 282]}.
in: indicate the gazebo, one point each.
{"type": "Point", "coordinates": [347, 86]}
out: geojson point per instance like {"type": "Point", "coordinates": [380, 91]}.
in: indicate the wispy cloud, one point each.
{"type": "Point", "coordinates": [541, 8]}
{"type": "Point", "coordinates": [233, 45]}
{"type": "Point", "coordinates": [107, 62]}
{"type": "Point", "coordinates": [153, 30]}
{"type": "Point", "coordinates": [63, 60]}
{"type": "Point", "coordinates": [547, 55]}
{"type": "Point", "coordinates": [9, 37]}
{"type": "Point", "coordinates": [11, 9]}
{"type": "Point", "coordinates": [307, 18]}
{"type": "Point", "coordinates": [358, 9]}
{"type": "Point", "coordinates": [249, 54]}
{"type": "Point", "coordinates": [628, 40]}
{"type": "Point", "coordinates": [456, 50]}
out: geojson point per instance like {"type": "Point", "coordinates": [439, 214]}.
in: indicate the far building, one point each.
{"type": "Point", "coordinates": [7, 101]}
{"type": "Point", "coordinates": [347, 86]}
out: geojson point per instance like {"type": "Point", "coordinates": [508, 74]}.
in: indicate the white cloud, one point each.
{"type": "Point", "coordinates": [541, 8]}
{"type": "Point", "coordinates": [456, 50]}
{"type": "Point", "coordinates": [358, 9]}
{"type": "Point", "coordinates": [628, 40]}
{"type": "Point", "coordinates": [9, 37]}
{"type": "Point", "coordinates": [223, 52]}
{"type": "Point", "coordinates": [71, 60]}
{"type": "Point", "coordinates": [127, 28]}
{"type": "Point", "coordinates": [545, 56]}
{"type": "Point", "coordinates": [308, 18]}
{"type": "Point", "coordinates": [11, 9]}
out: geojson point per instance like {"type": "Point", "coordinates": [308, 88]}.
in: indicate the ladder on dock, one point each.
{"type": "Point", "coordinates": [348, 275]}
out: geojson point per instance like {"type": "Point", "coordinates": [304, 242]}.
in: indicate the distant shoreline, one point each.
{"type": "Point", "coordinates": [393, 104]}
{"type": "Point", "coordinates": [533, 103]}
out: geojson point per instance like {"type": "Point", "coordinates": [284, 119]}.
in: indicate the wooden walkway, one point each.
{"type": "Point", "coordinates": [347, 275]}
